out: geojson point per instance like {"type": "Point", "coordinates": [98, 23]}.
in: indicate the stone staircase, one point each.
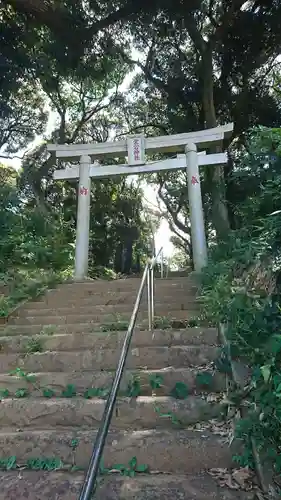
{"type": "Point", "coordinates": [58, 357]}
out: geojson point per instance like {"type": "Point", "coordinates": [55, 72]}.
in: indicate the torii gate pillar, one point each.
{"type": "Point", "coordinates": [83, 219]}
{"type": "Point", "coordinates": [198, 236]}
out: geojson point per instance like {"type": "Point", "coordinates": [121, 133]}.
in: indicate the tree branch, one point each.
{"type": "Point", "coordinates": [172, 213]}
{"type": "Point", "coordinates": [195, 34]}
{"type": "Point", "coordinates": [225, 20]}
{"type": "Point", "coordinates": [11, 157]}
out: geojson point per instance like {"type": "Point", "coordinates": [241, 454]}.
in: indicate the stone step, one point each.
{"type": "Point", "coordinates": [35, 485]}
{"type": "Point", "coordinates": [122, 295]}
{"type": "Point", "coordinates": [103, 379]}
{"type": "Point", "coordinates": [173, 451]}
{"type": "Point", "coordinates": [181, 280]}
{"type": "Point", "coordinates": [107, 295]}
{"type": "Point", "coordinates": [82, 308]}
{"type": "Point", "coordinates": [107, 359]}
{"type": "Point", "coordinates": [160, 288]}
{"type": "Point", "coordinates": [96, 317]}
{"type": "Point", "coordinates": [130, 295]}
{"type": "Point", "coordinates": [129, 413]}
{"type": "Point", "coordinates": [94, 340]}
{"type": "Point", "coordinates": [87, 306]}
{"type": "Point", "coordinates": [119, 285]}
{"type": "Point", "coordinates": [50, 329]}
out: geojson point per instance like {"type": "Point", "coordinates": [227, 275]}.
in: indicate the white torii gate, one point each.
{"type": "Point", "coordinates": [135, 148]}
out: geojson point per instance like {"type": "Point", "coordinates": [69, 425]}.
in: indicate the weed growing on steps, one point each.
{"type": "Point", "coordinates": [180, 391]}
{"type": "Point", "coordinates": [22, 393]}
{"type": "Point", "coordinates": [34, 344]}
{"type": "Point", "coordinates": [96, 392]}
{"type": "Point", "coordinates": [4, 307]}
{"type": "Point", "coordinates": [170, 415]}
{"type": "Point", "coordinates": [119, 326]}
{"type": "Point", "coordinates": [155, 381]}
{"type": "Point", "coordinates": [48, 392]}
{"type": "Point", "coordinates": [47, 464]}
{"type": "Point", "coordinates": [53, 463]}
{"type": "Point", "coordinates": [69, 392]}
{"type": "Point", "coordinates": [28, 378]}
{"type": "Point", "coordinates": [30, 286]}
{"type": "Point", "coordinates": [133, 389]}
{"type": "Point", "coordinates": [4, 393]}
{"type": "Point", "coordinates": [204, 379]}
{"type": "Point", "coordinates": [48, 330]}
{"type": "Point", "coordinates": [160, 323]}
{"type": "Point", "coordinates": [131, 469]}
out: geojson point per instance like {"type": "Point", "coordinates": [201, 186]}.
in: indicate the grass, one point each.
{"type": "Point", "coordinates": [34, 344]}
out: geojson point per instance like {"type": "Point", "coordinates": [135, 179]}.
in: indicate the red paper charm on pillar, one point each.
{"type": "Point", "coordinates": [194, 180]}
{"type": "Point", "coordinates": [83, 191]}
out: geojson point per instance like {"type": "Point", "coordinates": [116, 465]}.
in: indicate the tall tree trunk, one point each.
{"type": "Point", "coordinates": [215, 174]}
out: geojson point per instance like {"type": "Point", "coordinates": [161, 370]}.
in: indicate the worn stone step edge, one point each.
{"type": "Point", "coordinates": [136, 413]}
{"type": "Point", "coordinates": [102, 309]}
{"type": "Point", "coordinates": [9, 329]}
{"type": "Point", "coordinates": [121, 288]}
{"type": "Point", "coordinates": [96, 317]}
{"type": "Point", "coordinates": [101, 379]}
{"type": "Point", "coordinates": [107, 359]}
{"type": "Point", "coordinates": [31, 485]}
{"type": "Point", "coordinates": [174, 451]}
{"type": "Point", "coordinates": [160, 291]}
{"type": "Point", "coordinates": [127, 282]}
{"type": "Point", "coordinates": [96, 290]}
{"type": "Point", "coordinates": [80, 341]}
{"type": "Point", "coordinates": [129, 302]}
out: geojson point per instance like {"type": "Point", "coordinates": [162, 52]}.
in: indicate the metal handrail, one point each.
{"type": "Point", "coordinates": [150, 288]}
{"type": "Point", "coordinates": [162, 264]}
{"type": "Point", "coordinates": [93, 468]}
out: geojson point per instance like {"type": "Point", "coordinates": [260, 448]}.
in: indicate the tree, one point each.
{"type": "Point", "coordinates": [22, 118]}
{"type": "Point", "coordinates": [211, 61]}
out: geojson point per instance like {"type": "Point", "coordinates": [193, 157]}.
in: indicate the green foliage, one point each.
{"type": "Point", "coordinates": [54, 463]}
{"type": "Point", "coordinates": [22, 393]}
{"type": "Point", "coordinates": [4, 393]}
{"type": "Point", "coordinates": [8, 463]}
{"type": "Point", "coordinates": [48, 393]}
{"type": "Point", "coordinates": [118, 326]}
{"type": "Point", "coordinates": [97, 392]}
{"type": "Point", "coordinates": [134, 387]}
{"type": "Point", "coordinates": [47, 464]}
{"type": "Point", "coordinates": [241, 288]}
{"type": "Point", "coordinates": [155, 381]}
{"type": "Point", "coordinates": [48, 330]}
{"type": "Point", "coordinates": [204, 379]}
{"type": "Point", "coordinates": [20, 373]}
{"type": "Point", "coordinates": [69, 391]}
{"type": "Point", "coordinates": [162, 323]}
{"type": "Point", "coordinates": [74, 443]}
{"type": "Point", "coordinates": [180, 391]}
{"type": "Point", "coordinates": [169, 415]}
{"type": "Point", "coordinates": [130, 470]}
{"type": "Point", "coordinates": [34, 344]}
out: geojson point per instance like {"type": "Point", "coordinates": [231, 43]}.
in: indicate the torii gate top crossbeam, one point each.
{"type": "Point", "coordinates": [167, 143]}
{"type": "Point", "coordinates": [99, 172]}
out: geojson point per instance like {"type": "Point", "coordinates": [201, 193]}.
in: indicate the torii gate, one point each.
{"type": "Point", "coordinates": [135, 147]}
